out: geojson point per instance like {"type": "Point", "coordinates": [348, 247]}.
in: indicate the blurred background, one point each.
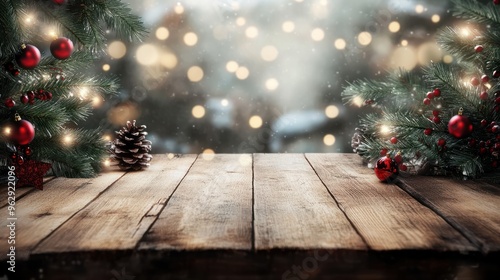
{"type": "Point", "coordinates": [244, 76]}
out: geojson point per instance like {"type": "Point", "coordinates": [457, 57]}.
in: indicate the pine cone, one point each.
{"type": "Point", "coordinates": [356, 139]}
{"type": "Point", "coordinates": [130, 148]}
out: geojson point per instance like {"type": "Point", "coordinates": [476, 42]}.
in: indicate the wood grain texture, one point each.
{"type": "Point", "coordinates": [386, 216]}
{"type": "Point", "coordinates": [118, 218]}
{"type": "Point", "coordinates": [39, 213]}
{"type": "Point", "coordinates": [293, 209]}
{"type": "Point", "coordinates": [20, 192]}
{"type": "Point", "coordinates": [211, 209]}
{"type": "Point", "coordinates": [472, 207]}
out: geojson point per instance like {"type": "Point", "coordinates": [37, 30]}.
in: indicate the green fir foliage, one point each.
{"type": "Point", "coordinates": [88, 23]}
{"type": "Point", "coordinates": [400, 111]}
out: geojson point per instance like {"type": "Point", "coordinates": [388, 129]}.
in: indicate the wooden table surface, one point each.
{"type": "Point", "coordinates": [257, 214]}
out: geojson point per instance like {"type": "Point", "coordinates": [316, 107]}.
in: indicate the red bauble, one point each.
{"type": "Point", "coordinates": [22, 132]}
{"type": "Point", "coordinates": [61, 48]}
{"type": "Point", "coordinates": [394, 140]}
{"type": "Point", "coordinates": [478, 48]}
{"type": "Point", "coordinates": [386, 169]}
{"type": "Point", "coordinates": [460, 126]}
{"type": "Point", "coordinates": [428, 131]}
{"type": "Point", "coordinates": [483, 95]}
{"type": "Point", "coordinates": [430, 95]}
{"type": "Point", "coordinates": [485, 78]}
{"type": "Point", "coordinates": [24, 99]}
{"type": "Point", "coordinates": [29, 57]}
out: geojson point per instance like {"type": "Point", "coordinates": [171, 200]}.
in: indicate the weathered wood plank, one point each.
{"type": "Point", "coordinates": [20, 192]}
{"type": "Point", "coordinates": [41, 212]}
{"type": "Point", "coordinates": [211, 209]}
{"type": "Point", "coordinates": [119, 217]}
{"type": "Point", "coordinates": [386, 216]}
{"type": "Point", "coordinates": [293, 209]}
{"type": "Point", "coordinates": [471, 207]}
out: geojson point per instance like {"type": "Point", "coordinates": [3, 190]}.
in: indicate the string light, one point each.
{"type": "Point", "coordinates": [385, 129]}
{"type": "Point", "coordinates": [329, 140]}
{"type": "Point", "coordinates": [68, 139]}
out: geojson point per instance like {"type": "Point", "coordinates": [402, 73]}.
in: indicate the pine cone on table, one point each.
{"type": "Point", "coordinates": [130, 148]}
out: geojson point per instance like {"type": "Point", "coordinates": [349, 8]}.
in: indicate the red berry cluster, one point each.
{"type": "Point", "coordinates": [29, 97]}
{"type": "Point", "coordinates": [431, 95]}
{"type": "Point", "coordinates": [10, 67]}
{"type": "Point", "coordinates": [490, 149]}
{"type": "Point", "coordinates": [17, 157]}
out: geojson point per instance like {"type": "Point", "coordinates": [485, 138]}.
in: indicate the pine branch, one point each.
{"type": "Point", "coordinates": [476, 12]}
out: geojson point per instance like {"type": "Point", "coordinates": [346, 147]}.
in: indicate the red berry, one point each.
{"type": "Point", "coordinates": [31, 95]}
{"type": "Point", "coordinates": [383, 152]}
{"type": "Point", "coordinates": [430, 95]}
{"type": "Point", "coordinates": [20, 160]}
{"type": "Point", "coordinates": [9, 103]}
{"type": "Point", "coordinates": [24, 99]}
{"type": "Point", "coordinates": [435, 113]}
{"type": "Point", "coordinates": [436, 120]}
{"type": "Point", "coordinates": [472, 142]}
{"type": "Point", "coordinates": [437, 92]}
{"type": "Point", "coordinates": [403, 167]}
{"type": "Point", "coordinates": [482, 144]}
{"type": "Point", "coordinates": [475, 81]}
{"type": "Point", "coordinates": [484, 123]}
{"type": "Point", "coordinates": [485, 78]}
{"type": "Point", "coordinates": [483, 95]}
{"type": "Point", "coordinates": [394, 140]}
{"type": "Point", "coordinates": [497, 109]}
{"type": "Point", "coordinates": [48, 95]}
{"type": "Point", "coordinates": [28, 151]}
{"type": "Point", "coordinates": [15, 72]}
{"type": "Point", "coordinates": [495, 129]}
{"type": "Point", "coordinates": [478, 48]}
{"type": "Point", "coordinates": [497, 146]}
{"type": "Point", "coordinates": [494, 163]}
{"type": "Point", "coordinates": [428, 131]}
{"type": "Point", "coordinates": [496, 74]}
{"type": "Point", "coordinates": [427, 101]}
{"type": "Point", "coordinates": [482, 151]}
{"type": "Point", "coordinates": [398, 159]}
{"type": "Point", "coordinates": [497, 100]}
{"type": "Point", "coordinates": [441, 142]}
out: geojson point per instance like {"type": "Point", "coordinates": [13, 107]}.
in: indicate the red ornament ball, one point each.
{"type": "Point", "coordinates": [430, 95]}
{"type": "Point", "coordinates": [61, 48]}
{"type": "Point", "coordinates": [29, 57]}
{"type": "Point", "coordinates": [394, 140]}
{"type": "Point", "coordinates": [9, 103]}
{"type": "Point", "coordinates": [24, 99]}
{"type": "Point", "coordinates": [485, 78]}
{"type": "Point", "coordinates": [460, 126]}
{"type": "Point", "coordinates": [478, 48]}
{"type": "Point", "coordinates": [383, 152]}
{"type": "Point", "coordinates": [22, 132]}
{"type": "Point", "coordinates": [437, 92]}
{"type": "Point", "coordinates": [428, 131]}
{"type": "Point", "coordinates": [386, 169]}
{"type": "Point", "coordinates": [483, 95]}
{"type": "Point", "coordinates": [475, 81]}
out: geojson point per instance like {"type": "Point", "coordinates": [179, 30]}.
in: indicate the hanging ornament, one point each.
{"type": "Point", "coordinates": [30, 173]}
{"type": "Point", "coordinates": [460, 126]}
{"type": "Point", "coordinates": [386, 169]}
{"type": "Point", "coordinates": [61, 48]}
{"type": "Point", "coordinates": [29, 57]}
{"type": "Point", "coordinates": [22, 132]}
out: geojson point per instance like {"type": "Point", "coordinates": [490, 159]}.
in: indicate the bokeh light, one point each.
{"type": "Point", "coordinates": [364, 38]}
{"type": "Point", "coordinates": [190, 39]}
{"type": "Point", "coordinates": [117, 49]}
{"type": "Point", "coordinates": [429, 52]}
{"type": "Point", "coordinates": [179, 9]}
{"type": "Point", "coordinates": [255, 122]}
{"type": "Point", "coordinates": [232, 66]}
{"type": "Point", "coordinates": [403, 57]}
{"type": "Point", "coordinates": [435, 18]}
{"type": "Point", "coordinates": [272, 84]}
{"type": "Point", "coordinates": [269, 53]}
{"type": "Point", "coordinates": [329, 140]}
{"type": "Point", "coordinates": [419, 9]}
{"type": "Point", "coordinates": [147, 54]}
{"type": "Point", "coordinates": [340, 44]}
{"type": "Point", "coordinates": [394, 26]}
{"type": "Point", "coordinates": [252, 32]}
{"type": "Point", "coordinates": [332, 111]}
{"type": "Point", "coordinates": [195, 74]}
{"type": "Point", "coordinates": [208, 154]}
{"type": "Point", "coordinates": [198, 111]}
{"type": "Point", "coordinates": [106, 67]}
{"type": "Point", "coordinates": [317, 34]}
{"type": "Point", "coordinates": [168, 60]}
{"type": "Point", "coordinates": [240, 21]}
{"type": "Point", "coordinates": [162, 33]}
{"type": "Point", "coordinates": [242, 73]}
{"type": "Point", "coordinates": [288, 26]}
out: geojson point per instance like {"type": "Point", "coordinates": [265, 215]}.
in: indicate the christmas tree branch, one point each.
{"type": "Point", "coordinates": [474, 11]}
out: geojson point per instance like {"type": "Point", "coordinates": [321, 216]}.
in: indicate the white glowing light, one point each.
{"type": "Point", "coordinates": [288, 26]}
{"type": "Point", "coordinates": [242, 73]}
{"type": "Point", "coordinates": [435, 18]}
{"type": "Point", "coordinates": [358, 101]}
{"type": "Point", "coordinates": [272, 84]}
{"type": "Point", "coordinates": [179, 9]}
{"type": "Point", "coordinates": [169, 60]}
{"type": "Point", "coordinates": [385, 129]}
{"type": "Point", "coordinates": [106, 67]}
{"type": "Point", "coordinates": [190, 39]}
{"type": "Point", "coordinates": [208, 154]}
{"type": "Point", "coordinates": [364, 38]}
{"type": "Point", "coordinates": [252, 32]}
{"type": "Point", "coordinates": [240, 21]}
{"type": "Point", "coordinates": [340, 44]}
{"type": "Point", "coordinates": [394, 26]}
{"type": "Point", "coordinates": [269, 53]}
{"type": "Point", "coordinates": [318, 34]}
{"type": "Point", "coordinates": [68, 139]}
{"type": "Point", "coordinates": [232, 66]}
{"type": "Point", "coordinates": [419, 9]}
{"type": "Point", "coordinates": [224, 102]}
{"type": "Point", "coordinates": [404, 43]}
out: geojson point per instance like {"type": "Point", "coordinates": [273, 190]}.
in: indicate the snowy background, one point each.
{"type": "Point", "coordinates": [246, 76]}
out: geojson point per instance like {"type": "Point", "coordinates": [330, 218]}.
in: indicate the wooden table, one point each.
{"type": "Point", "coordinates": [261, 216]}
